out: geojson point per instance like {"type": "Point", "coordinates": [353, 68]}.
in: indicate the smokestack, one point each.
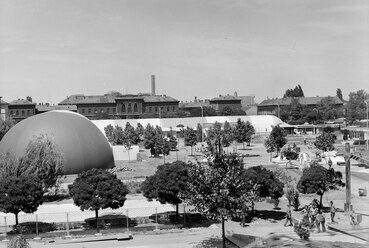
{"type": "Point", "coordinates": [153, 85]}
{"type": "Point", "coordinates": [195, 98]}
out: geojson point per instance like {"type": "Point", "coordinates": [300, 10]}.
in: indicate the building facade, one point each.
{"type": "Point", "coordinates": [219, 103]}
{"type": "Point", "coordinates": [21, 109]}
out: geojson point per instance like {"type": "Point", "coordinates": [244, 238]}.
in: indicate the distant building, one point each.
{"type": "Point", "coordinates": [274, 106]}
{"type": "Point", "coordinates": [21, 109]}
{"type": "Point", "coordinates": [3, 109]}
{"type": "Point", "coordinates": [42, 108]}
{"type": "Point", "coordinates": [219, 103]}
{"type": "Point", "coordinates": [194, 108]}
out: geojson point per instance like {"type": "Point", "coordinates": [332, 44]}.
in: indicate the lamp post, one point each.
{"type": "Point", "coordinates": [202, 126]}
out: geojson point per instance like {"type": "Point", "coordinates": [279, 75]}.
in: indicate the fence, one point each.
{"type": "Point", "coordinates": [65, 223]}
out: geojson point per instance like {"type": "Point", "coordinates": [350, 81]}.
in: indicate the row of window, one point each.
{"type": "Point", "coordinates": [162, 109]}
{"type": "Point", "coordinates": [95, 111]}
{"type": "Point", "coordinates": [21, 112]}
{"type": "Point", "coordinates": [133, 108]}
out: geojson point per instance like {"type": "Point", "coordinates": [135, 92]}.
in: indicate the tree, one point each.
{"type": "Point", "coordinates": [276, 140]}
{"type": "Point", "coordinates": [356, 107]}
{"type": "Point", "coordinates": [232, 110]}
{"type": "Point", "coordinates": [23, 193]}
{"type": "Point", "coordinates": [317, 179]}
{"type": "Point", "coordinates": [217, 189]}
{"type": "Point", "coordinates": [339, 94]}
{"type": "Point", "coordinates": [140, 130]}
{"type": "Point", "coordinates": [43, 159]}
{"type": "Point", "coordinates": [325, 142]}
{"type": "Point", "coordinates": [296, 92]}
{"type": "Point", "coordinates": [5, 126]}
{"type": "Point", "coordinates": [149, 137]}
{"type": "Point", "coordinates": [199, 133]}
{"type": "Point", "coordinates": [118, 135]}
{"type": "Point", "coordinates": [28, 98]}
{"type": "Point", "coordinates": [167, 183]}
{"type": "Point", "coordinates": [190, 137]}
{"type": "Point", "coordinates": [109, 132]}
{"type": "Point", "coordinates": [243, 132]}
{"type": "Point", "coordinates": [130, 137]}
{"type": "Point", "coordinates": [209, 111]}
{"type": "Point", "coordinates": [228, 136]}
{"type": "Point", "coordinates": [172, 141]}
{"type": "Point", "coordinates": [327, 108]}
{"type": "Point", "coordinates": [97, 189]}
{"type": "Point", "coordinates": [214, 137]}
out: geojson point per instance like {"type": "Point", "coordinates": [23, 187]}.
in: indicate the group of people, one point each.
{"type": "Point", "coordinates": [312, 216]}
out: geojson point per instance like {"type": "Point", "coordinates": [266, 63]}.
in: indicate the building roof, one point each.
{"type": "Point", "coordinates": [198, 104]}
{"type": "Point", "coordinates": [97, 99]}
{"type": "Point", "coordinates": [73, 99]}
{"type": "Point", "coordinates": [302, 100]}
{"type": "Point", "coordinates": [226, 98]}
{"type": "Point", "coordinates": [45, 108]}
{"type": "Point", "coordinates": [3, 102]}
{"type": "Point", "coordinates": [21, 102]}
{"type": "Point", "coordinates": [159, 98]}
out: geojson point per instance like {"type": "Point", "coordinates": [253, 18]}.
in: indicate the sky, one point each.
{"type": "Point", "coordinates": [50, 49]}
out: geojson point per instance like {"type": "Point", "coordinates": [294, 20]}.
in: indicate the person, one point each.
{"type": "Point", "coordinates": [320, 221]}
{"type": "Point", "coordinates": [288, 217]}
{"type": "Point", "coordinates": [313, 213]}
{"type": "Point", "coordinates": [332, 211]}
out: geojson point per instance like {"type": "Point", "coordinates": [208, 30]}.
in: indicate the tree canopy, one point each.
{"type": "Point", "coordinates": [243, 132]}
{"type": "Point", "coordinates": [167, 183]}
{"type": "Point", "coordinates": [97, 189]}
{"type": "Point", "coordinates": [296, 92]}
{"type": "Point", "coordinates": [5, 126]}
{"type": "Point", "coordinates": [276, 140]}
{"type": "Point", "coordinates": [317, 179]}
{"type": "Point", "coordinates": [190, 137]}
{"type": "Point", "coordinates": [356, 107]}
{"type": "Point", "coordinates": [23, 193]}
{"type": "Point", "coordinates": [232, 110]}
{"type": "Point", "coordinates": [325, 141]}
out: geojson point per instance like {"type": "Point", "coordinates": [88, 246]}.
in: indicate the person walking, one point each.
{"type": "Point", "coordinates": [332, 211]}
{"type": "Point", "coordinates": [288, 217]}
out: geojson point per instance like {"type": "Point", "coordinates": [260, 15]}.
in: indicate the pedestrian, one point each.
{"type": "Point", "coordinates": [288, 217]}
{"type": "Point", "coordinates": [313, 214]}
{"type": "Point", "coordinates": [320, 221]}
{"type": "Point", "coordinates": [332, 211]}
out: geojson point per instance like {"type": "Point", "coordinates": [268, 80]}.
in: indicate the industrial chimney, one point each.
{"type": "Point", "coordinates": [153, 85]}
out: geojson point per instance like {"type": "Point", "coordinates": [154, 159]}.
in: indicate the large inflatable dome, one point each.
{"type": "Point", "coordinates": [82, 144]}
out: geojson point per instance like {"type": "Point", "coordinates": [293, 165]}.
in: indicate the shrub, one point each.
{"type": "Point", "coordinates": [293, 198]}
{"type": "Point", "coordinates": [18, 242]}
{"type": "Point", "coordinates": [290, 155]}
{"type": "Point", "coordinates": [30, 227]}
{"type": "Point", "coordinates": [302, 231]}
{"type": "Point", "coordinates": [134, 187]}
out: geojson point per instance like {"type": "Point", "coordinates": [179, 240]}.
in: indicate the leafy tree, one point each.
{"type": "Point", "coordinates": [149, 137]}
{"type": "Point", "coordinates": [23, 193]}
{"type": "Point", "coordinates": [296, 92]}
{"type": "Point", "coordinates": [232, 110]}
{"type": "Point", "coordinates": [325, 141]}
{"type": "Point", "coordinates": [293, 197]}
{"type": "Point", "coordinates": [243, 132]}
{"type": "Point", "coordinates": [199, 133]}
{"type": "Point", "coordinates": [140, 129]}
{"type": "Point", "coordinates": [118, 135]}
{"type": "Point", "coordinates": [102, 116]}
{"type": "Point", "coordinates": [109, 132]}
{"type": "Point", "coordinates": [209, 111]}
{"type": "Point", "coordinates": [190, 137]}
{"type": "Point", "coordinates": [317, 179]}
{"type": "Point", "coordinates": [97, 189]}
{"type": "Point", "coordinates": [276, 140]}
{"type": "Point", "coordinates": [172, 141]}
{"type": "Point", "coordinates": [43, 159]}
{"type": "Point", "coordinates": [327, 108]}
{"type": "Point", "coordinates": [228, 136]}
{"type": "Point", "coordinates": [28, 98]}
{"type": "Point", "coordinates": [217, 189]}
{"type": "Point", "coordinates": [130, 137]}
{"type": "Point", "coordinates": [215, 136]}
{"type": "Point", "coordinates": [5, 126]}
{"type": "Point", "coordinates": [167, 183]}
{"type": "Point", "coordinates": [356, 107]}
{"type": "Point", "coordinates": [159, 141]}
{"type": "Point", "coordinates": [339, 94]}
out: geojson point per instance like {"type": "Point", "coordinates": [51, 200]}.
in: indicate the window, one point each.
{"type": "Point", "coordinates": [11, 112]}
{"type": "Point", "coordinates": [89, 111]}
{"type": "Point", "coordinates": [83, 111]}
{"type": "Point", "coordinates": [28, 112]}
{"type": "Point", "coordinates": [156, 109]}
{"type": "Point", "coordinates": [168, 109]}
{"type": "Point", "coordinates": [123, 108]}
{"type": "Point", "coordinates": [108, 110]}
{"type": "Point", "coordinates": [113, 110]}
{"type": "Point", "coordinates": [174, 108]}
{"type": "Point", "coordinates": [17, 112]}
{"type": "Point", "coordinates": [22, 112]}
{"type": "Point", "coordinates": [135, 108]}
{"type": "Point", "coordinates": [150, 109]}
{"type": "Point", "coordinates": [129, 109]}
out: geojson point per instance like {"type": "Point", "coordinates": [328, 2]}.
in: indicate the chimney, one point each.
{"type": "Point", "coordinates": [235, 94]}
{"type": "Point", "coordinates": [153, 85]}
{"type": "Point", "coordinates": [195, 98]}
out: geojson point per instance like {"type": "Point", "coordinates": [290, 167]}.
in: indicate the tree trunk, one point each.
{"type": "Point", "coordinates": [321, 202]}
{"type": "Point", "coordinates": [177, 213]}
{"type": "Point", "coordinates": [271, 156]}
{"type": "Point", "coordinates": [191, 150]}
{"type": "Point", "coordinates": [243, 145]}
{"type": "Point", "coordinates": [129, 155]}
{"type": "Point", "coordinates": [97, 220]}
{"type": "Point", "coordinates": [223, 233]}
{"type": "Point", "coordinates": [16, 219]}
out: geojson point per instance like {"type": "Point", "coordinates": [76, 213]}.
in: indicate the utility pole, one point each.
{"type": "Point", "coordinates": [367, 125]}
{"type": "Point", "coordinates": [348, 206]}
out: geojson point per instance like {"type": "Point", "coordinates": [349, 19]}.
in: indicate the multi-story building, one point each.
{"type": "Point", "coordinates": [21, 109]}
{"type": "Point", "coordinates": [274, 106]}
{"type": "Point", "coordinates": [219, 103]}
{"type": "Point", "coordinates": [3, 109]}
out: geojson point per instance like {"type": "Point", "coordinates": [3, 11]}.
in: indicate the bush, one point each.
{"type": "Point", "coordinates": [30, 227]}
{"type": "Point", "coordinates": [111, 220]}
{"type": "Point", "coordinates": [302, 231]}
{"type": "Point", "coordinates": [18, 242]}
{"type": "Point", "coordinates": [134, 187]}
{"type": "Point", "coordinates": [290, 155]}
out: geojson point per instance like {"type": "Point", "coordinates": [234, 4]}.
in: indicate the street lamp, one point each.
{"type": "Point", "coordinates": [202, 125]}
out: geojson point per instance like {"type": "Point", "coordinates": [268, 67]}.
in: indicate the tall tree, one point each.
{"type": "Point", "coordinates": [228, 134]}
{"type": "Point", "coordinates": [130, 137]}
{"type": "Point", "coordinates": [23, 193]}
{"type": "Point", "coordinates": [243, 132]}
{"type": "Point", "coordinates": [118, 135]}
{"type": "Point", "coordinates": [296, 92]}
{"type": "Point", "coordinates": [217, 189]}
{"type": "Point", "coordinates": [140, 130]}
{"type": "Point", "coordinates": [317, 179]}
{"type": "Point", "coordinates": [325, 141]}
{"type": "Point", "coordinates": [199, 133]}
{"type": "Point", "coordinates": [28, 98]}
{"type": "Point", "coordinates": [276, 140]}
{"type": "Point", "coordinates": [356, 107]}
{"type": "Point", "coordinates": [172, 141]}
{"type": "Point", "coordinates": [327, 109]}
{"type": "Point", "coordinates": [97, 189]}
{"type": "Point", "coordinates": [214, 137]}
{"type": "Point", "coordinates": [168, 182]}
{"type": "Point", "coordinates": [43, 159]}
{"type": "Point", "coordinates": [190, 137]}
{"type": "Point", "coordinates": [339, 94]}
{"type": "Point", "coordinates": [149, 138]}
{"type": "Point", "coordinates": [109, 133]}
{"type": "Point", "coordinates": [232, 110]}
